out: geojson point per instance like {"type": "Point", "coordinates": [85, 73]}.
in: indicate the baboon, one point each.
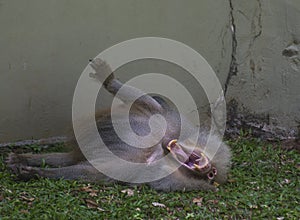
{"type": "Point", "coordinates": [197, 169]}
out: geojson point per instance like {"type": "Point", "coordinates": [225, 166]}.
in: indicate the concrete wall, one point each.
{"type": "Point", "coordinates": [45, 45]}
{"type": "Point", "coordinates": [266, 84]}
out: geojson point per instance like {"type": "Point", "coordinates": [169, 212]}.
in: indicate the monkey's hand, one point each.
{"type": "Point", "coordinates": [103, 72]}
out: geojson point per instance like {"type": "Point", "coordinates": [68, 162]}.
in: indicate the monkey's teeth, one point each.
{"type": "Point", "coordinates": [197, 166]}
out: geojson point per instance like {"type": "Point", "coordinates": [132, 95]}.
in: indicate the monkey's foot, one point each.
{"type": "Point", "coordinates": [103, 72]}
{"type": "Point", "coordinates": [14, 158]}
{"type": "Point", "coordinates": [18, 165]}
{"type": "Point", "coordinates": [24, 172]}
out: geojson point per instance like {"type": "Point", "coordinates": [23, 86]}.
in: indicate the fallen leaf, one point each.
{"type": "Point", "coordinates": [24, 196]}
{"type": "Point", "coordinates": [214, 201]}
{"type": "Point", "coordinates": [92, 204]}
{"type": "Point", "coordinates": [7, 190]}
{"type": "Point", "coordinates": [129, 192]}
{"type": "Point", "coordinates": [24, 211]}
{"type": "Point", "coordinates": [157, 204]}
{"type": "Point", "coordinates": [88, 188]}
{"type": "Point", "coordinates": [85, 189]}
{"type": "Point", "coordinates": [253, 206]}
{"type": "Point", "coordinates": [93, 194]}
{"type": "Point", "coordinates": [27, 199]}
{"type": "Point", "coordinates": [100, 209]}
{"type": "Point", "coordinates": [198, 201]}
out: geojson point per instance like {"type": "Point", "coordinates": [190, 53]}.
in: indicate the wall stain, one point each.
{"type": "Point", "coordinates": [240, 118]}
{"type": "Point", "coordinates": [291, 52]}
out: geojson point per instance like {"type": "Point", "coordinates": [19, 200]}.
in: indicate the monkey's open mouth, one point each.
{"type": "Point", "coordinates": [195, 162]}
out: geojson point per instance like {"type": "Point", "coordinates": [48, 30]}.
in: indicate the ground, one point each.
{"type": "Point", "coordinates": [263, 184]}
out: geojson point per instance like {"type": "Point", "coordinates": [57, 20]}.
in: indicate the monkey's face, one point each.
{"type": "Point", "coordinates": [195, 161]}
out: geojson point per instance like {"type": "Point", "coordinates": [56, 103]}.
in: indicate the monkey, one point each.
{"type": "Point", "coordinates": [197, 169]}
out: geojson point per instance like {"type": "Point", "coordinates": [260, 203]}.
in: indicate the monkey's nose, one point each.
{"type": "Point", "coordinates": [211, 175]}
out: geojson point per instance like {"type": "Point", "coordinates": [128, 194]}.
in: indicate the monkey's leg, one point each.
{"type": "Point", "coordinates": [51, 159]}
{"type": "Point", "coordinates": [83, 171]}
{"type": "Point", "coordinates": [129, 94]}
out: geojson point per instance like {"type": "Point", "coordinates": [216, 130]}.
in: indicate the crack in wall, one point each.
{"type": "Point", "coordinates": [233, 63]}
{"type": "Point", "coordinates": [256, 25]}
{"type": "Point", "coordinates": [259, 20]}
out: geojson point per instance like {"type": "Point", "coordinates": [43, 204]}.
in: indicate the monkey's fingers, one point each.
{"type": "Point", "coordinates": [102, 70]}
{"type": "Point", "coordinates": [97, 63]}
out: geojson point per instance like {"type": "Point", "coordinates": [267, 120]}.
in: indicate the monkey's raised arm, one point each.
{"type": "Point", "coordinates": [128, 94]}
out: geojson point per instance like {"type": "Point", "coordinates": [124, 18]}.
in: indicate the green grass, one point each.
{"type": "Point", "coordinates": [263, 184]}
